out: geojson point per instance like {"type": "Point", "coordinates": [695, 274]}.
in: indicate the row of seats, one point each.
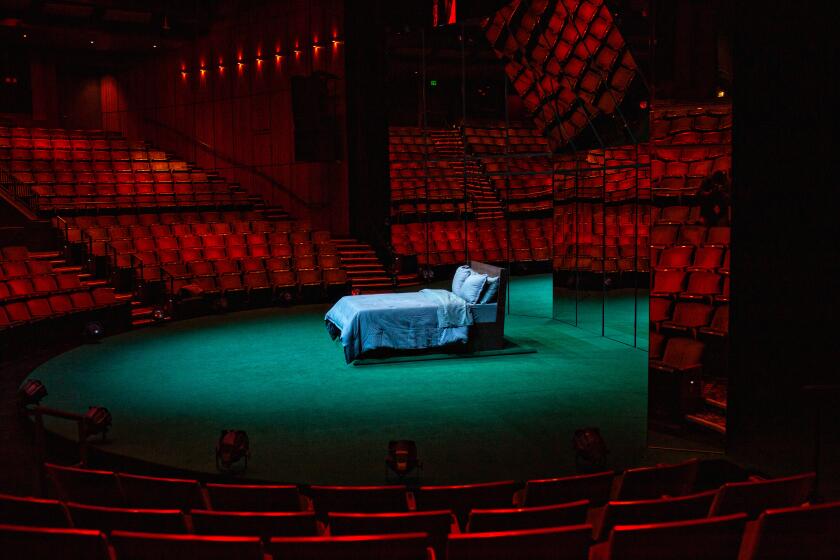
{"type": "Point", "coordinates": [504, 140]}
{"type": "Point", "coordinates": [87, 155]}
{"type": "Point", "coordinates": [689, 318]}
{"type": "Point", "coordinates": [714, 258]}
{"type": "Point", "coordinates": [666, 235]}
{"type": "Point", "coordinates": [680, 525]}
{"type": "Point", "coordinates": [692, 286]}
{"type": "Point", "coordinates": [37, 308]}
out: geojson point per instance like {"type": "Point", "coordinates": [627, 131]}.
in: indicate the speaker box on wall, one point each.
{"type": "Point", "coordinates": [314, 106]}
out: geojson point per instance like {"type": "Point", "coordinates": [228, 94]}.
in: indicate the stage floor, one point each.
{"type": "Point", "coordinates": [312, 418]}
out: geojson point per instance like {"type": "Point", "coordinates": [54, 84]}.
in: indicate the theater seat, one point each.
{"type": "Point", "coordinates": [660, 510]}
{"type": "Point", "coordinates": [792, 533]}
{"type": "Point", "coordinates": [401, 546]}
{"type": "Point", "coordinates": [514, 519]}
{"type": "Point", "coordinates": [154, 546]}
{"type": "Point", "coordinates": [255, 524]}
{"type": "Point", "coordinates": [250, 497]}
{"type": "Point", "coordinates": [592, 487]}
{"type": "Point", "coordinates": [18, 510]}
{"type": "Point", "coordinates": [155, 492]}
{"type": "Point", "coordinates": [361, 499]}
{"type": "Point", "coordinates": [436, 524]}
{"type": "Point", "coordinates": [753, 497]}
{"type": "Point", "coordinates": [461, 499]}
{"type": "Point", "coordinates": [716, 538]}
{"type": "Point", "coordinates": [661, 480]}
{"type": "Point", "coordinates": [41, 543]}
{"type": "Point", "coordinates": [107, 519]}
{"type": "Point", "coordinates": [559, 543]}
{"type": "Point", "coordinates": [87, 486]}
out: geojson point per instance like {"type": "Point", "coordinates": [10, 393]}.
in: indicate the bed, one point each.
{"type": "Point", "coordinates": [430, 318]}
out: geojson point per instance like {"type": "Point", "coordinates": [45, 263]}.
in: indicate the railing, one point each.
{"type": "Point", "coordinates": [20, 191]}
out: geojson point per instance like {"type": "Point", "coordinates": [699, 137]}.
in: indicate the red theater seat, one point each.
{"type": "Point", "coordinates": [514, 519]}
{"type": "Point", "coordinates": [17, 510]}
{"type": "Point", "coordinates": [361, 499]}
{"type": "Point", "coordinates": [592, 487]}
{"type": "Point", "coordinates": [72, 484]}
{"type": "Point", "coordinates": [662, 480]}
{"type": "Point", "coordinates": [681, 355]}
{"type": "Point", "coordinates": [255, 524]}
{"type": "Point", "coordinates": [560, 543]}
{"type": "Point", "coordinates": [797, 532]}
{"type": "Point", "coordinates": [660, 510]}
{"type": "Point", "coordinates": [153, 546]}
{"type": "Point", "coordinates": [402, 546]}
{"type": "Point", "coordinates": [688, 318]}
{"type": "Point", "coordinates": [155, 492]}
{"type": "Point", "coordinates": [719, 326]}
{"type": "Point", "coordinates": [754, 497]}
{"type": "Point", "coordinates": [40, 543]}
{"type": "Point", "coordinates": [460, 499]}
{"type": "Point", "coordinates": [247, 497]}
{"type": "Point", "coordinates": [702, 539]}
{"type": "Point", "coordinates": [107, 519]}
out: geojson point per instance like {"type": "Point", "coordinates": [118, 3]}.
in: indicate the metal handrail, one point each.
{"type": "Point", "coordinates": [19, 191]}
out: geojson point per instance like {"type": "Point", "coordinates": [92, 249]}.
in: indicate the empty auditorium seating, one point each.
{"type": "Point", "coordinates": [155, 492]}
{"type": "Point", "coordinates": [42, 543]}
{"type": "Point", "coordinates": [107, 519]}
{"type": "Point", "coordinates": [513, 519]}
{"type": "Point", "coordinates": [753, 497]}
{"type": "Point", "coordinates": [795, 532]}
{"type": "Point", "coordinates": [362, 499]}
{"type": "Point", "coordinates": [659, 510]}
{"type": "Point", "coordinates": [715, 537]}
{"type": "Point", "coordinates": [251, 497]}
{"type": "Point", "coordinates": [655, 482]}
{"type": "Point", "coordinates": [260, 524]}
{"type": "Point", "coordinates": [595, 488]}
{"type": "Point", "coordinates": [437, 525]}
{"type": "Point", "coordinates": [87, 486]}
{"type": "Point", "coordinates": [401, 546]}
{"type": "Point", "coordinates": [461, 499]}
{"type": "Point", "coordinates": [19, 510]}
{"type": "Point", "coordinates": [147, 546]}
{"type": "Point", "coordinates": [564, 543]}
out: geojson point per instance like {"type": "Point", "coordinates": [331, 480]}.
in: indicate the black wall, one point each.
{"type": "Point", "coordinates": [785, 233]}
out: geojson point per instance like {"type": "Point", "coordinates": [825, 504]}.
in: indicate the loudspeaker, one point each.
{"type": "Point", "coordinates": [314, 106]}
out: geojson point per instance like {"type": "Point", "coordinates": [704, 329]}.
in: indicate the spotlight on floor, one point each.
{"type": "Point", "coordinates": [233, 446]}
{"type": "Point", "coordinates": [93, 331]}
{"type": "Point", "coordinates": [31, 392]}
{"type": "Point", "coordinates": [96, 420]}
{"type": "Point", "coordinates": [402, 458]}
{"type": "Point", "coordinates": [590, 450]}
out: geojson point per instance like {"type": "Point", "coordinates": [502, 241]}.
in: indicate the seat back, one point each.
{"type": "Point", "coordinates": [593, 487]}
{"type": "Point", "coordinates": [461, 499]}
{"type": "Point", "coordinates": [682, 353]}
{"type": "Point", "coordinates": [154, 546]}
{"type": "Point", "coordinates": [436, 524]}
{"type": "Point", "coordinates": [154, 492]}
{"type": "Point", "coordinates": [754, 497]}
{"type": "Point", "coordinates": [107, 519]}
{"type": "Point", "coordinates": [661, 510]}
{"type": "Point", "coordinates": [41, 543]}
{"type": "Point", "coordinates": [18, 510]}
{"type": "Point", "coordinates": [359, 499]}
{"type": "Point", "coordinates": [401, 546]}
{"type": "Point", "coordinates": [662, 480]}
{"type": "Point", "coordinates": [699, 539]}
{"type": "Point", "coordinates": [513, 519]}
{"type": "Point", "coordinates": [249, 497]}
{"type": "Point", "coordinates": [785, 533]}
{"type": "Point", "coordinates": [72, 484]}
{"type": "Point", "coordinates": [558, 543]}
{"type": "Point", "coordinates": [254, 524]}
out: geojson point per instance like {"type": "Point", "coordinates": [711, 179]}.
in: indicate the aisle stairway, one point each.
{"type": "Point", "coordinates": [366, 273]}
{"type": "Point", "coordinates": [713, 413]}
{"type": "Point", "coordinates": [450, 145]}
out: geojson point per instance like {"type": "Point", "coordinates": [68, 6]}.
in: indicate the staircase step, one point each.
{"type": "Point", "coordinates": [142, 322]}
{"type": "Point", "coordinates": [708, 419]}
{"type": "Point", "coordinates": [45, 255]}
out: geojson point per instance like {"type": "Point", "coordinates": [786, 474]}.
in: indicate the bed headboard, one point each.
{"type": "Point", "coordinates": [501, 298]}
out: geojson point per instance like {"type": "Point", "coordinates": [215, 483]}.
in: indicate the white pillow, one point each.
{"type": "Point", "coordinates": [491, 288]}
{"type": "Point", "coordinates": [471, 289]}
{"type": "Point", "coordinates": [461, 274]}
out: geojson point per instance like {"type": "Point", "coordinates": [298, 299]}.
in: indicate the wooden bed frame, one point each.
{"type": "Point", "coordinates": [490, 336]}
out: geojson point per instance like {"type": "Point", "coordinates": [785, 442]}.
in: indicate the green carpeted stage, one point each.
{"type": "Point", "coordinates": [312, 418]}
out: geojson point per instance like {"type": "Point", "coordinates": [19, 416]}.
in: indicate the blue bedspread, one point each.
{"type": "Point", "coordinates": [416, 320]}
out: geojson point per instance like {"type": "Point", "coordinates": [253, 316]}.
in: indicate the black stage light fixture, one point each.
{"type": "Point", "coordinates": [96, 420]}
{"type": "Point", "coordinates": [93, 331]}
{"type": "Point", "coordinates": [402, 457]}
{"type": "Point", "coordinates": [158, 314]}
{"type": "Point", "coordinates": [233, 446]}
{"type": "Point", "coordinates": [31, 392]}
{"type": "Point", "coordinates": [590, 450]}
